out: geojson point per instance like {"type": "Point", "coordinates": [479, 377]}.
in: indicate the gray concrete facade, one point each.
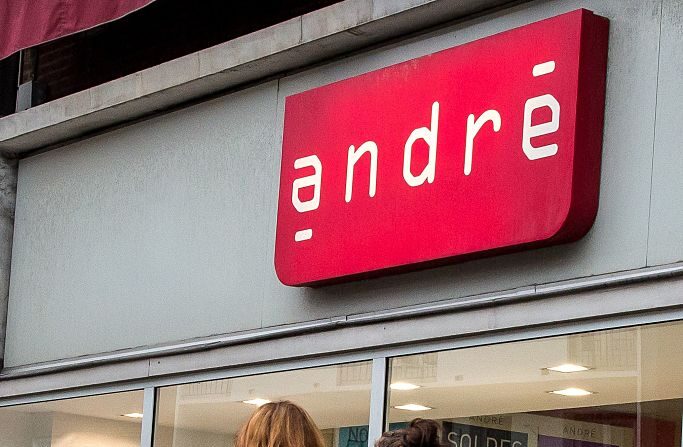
{"type": "Point", "coordinates": [163, 230]}
{"type": "Point", "coordinates": [330, 32]}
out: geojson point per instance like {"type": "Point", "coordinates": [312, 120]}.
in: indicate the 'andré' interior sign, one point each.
{"type": "Point", "coordinates": [488, 146]}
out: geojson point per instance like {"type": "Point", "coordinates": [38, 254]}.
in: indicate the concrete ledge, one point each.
{"type": "Point", "coordinates": [326, 33]}
{"type": "Point", "coordinates": [587, 304]}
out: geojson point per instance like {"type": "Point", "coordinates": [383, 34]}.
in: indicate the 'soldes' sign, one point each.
{"type": "Point", "coordinates": [489, 146]}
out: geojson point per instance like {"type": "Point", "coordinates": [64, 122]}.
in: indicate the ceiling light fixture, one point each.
{"type": "Point", "coordinates": [413, 407]}
{"type": "Point", "coordinates": [403, 386]}
{"type": "Point", "coordinates": [573, 392]}
{"type": "Point", "coordinates": [258, 401]}
{"type": "Point", "coordinates": [133, 415]}
{"type": "Point", "coordinates": [568, 368]}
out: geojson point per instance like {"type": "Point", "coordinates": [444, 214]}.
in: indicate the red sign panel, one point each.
{"type": "Point", "coordinates": [489, 146]}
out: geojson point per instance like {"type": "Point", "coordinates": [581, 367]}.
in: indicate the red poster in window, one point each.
{"type": "Point", "coordinates": [486, 147]}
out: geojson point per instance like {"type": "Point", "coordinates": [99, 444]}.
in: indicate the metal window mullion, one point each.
{"type": "Point", "coordinates": [148, 412]}
{"type": "Point", "coordinates": [21, 65]}
{"type": "Point", "coordinates": [378, 399]}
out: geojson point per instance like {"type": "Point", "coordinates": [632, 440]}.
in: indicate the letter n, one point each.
{"type": "Point", "coordinates": [355, 155]}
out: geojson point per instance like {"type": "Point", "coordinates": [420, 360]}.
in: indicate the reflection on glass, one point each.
{"type": "Point", "coordinates": [618, 388]}
{"type": "Point", "coordinates": [209, 414]}
{"type": "Point", "coordinates": [84, 422]}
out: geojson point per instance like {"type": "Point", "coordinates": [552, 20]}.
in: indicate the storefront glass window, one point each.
{"type": "Point", "coordinates": [84, 422]}
{"type": "Point", "coordinates": [616, 388]}
{"type": "Point", "coordinates": [210, 413]}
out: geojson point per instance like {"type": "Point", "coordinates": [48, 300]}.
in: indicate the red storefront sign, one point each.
{"type": "Point", "coordinates": [486, 147]}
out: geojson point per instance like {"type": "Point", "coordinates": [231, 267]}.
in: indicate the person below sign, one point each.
{"type": "Point", "coordinates": [280, 424]}
{"type": "Point", "coordinates": [419, 433]}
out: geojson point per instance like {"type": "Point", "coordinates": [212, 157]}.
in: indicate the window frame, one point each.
{"type": "Point", "coordinates": [380, 366]}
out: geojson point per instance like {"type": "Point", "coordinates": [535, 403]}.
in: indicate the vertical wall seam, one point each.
{"type": "Point", "coordinates": [276, 141]}
{"type": "Point", "coordinates": [654, 133]}
{"type": "Point", "coordinates": [9, 169]}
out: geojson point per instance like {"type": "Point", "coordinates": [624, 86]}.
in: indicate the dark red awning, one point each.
{"type": "Point", "coordinates": [25, 23]}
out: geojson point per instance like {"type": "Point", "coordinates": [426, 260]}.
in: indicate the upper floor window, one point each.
{"type": "Point", "coordinates": [162, 31]}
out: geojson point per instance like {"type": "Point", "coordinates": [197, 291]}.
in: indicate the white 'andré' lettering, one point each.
{"type": "Point", "coordinates": [304, 182]}
{"type": "Point", "coordinates": [430, 136]}
{"type": "Point", "coordinates": [473, 127]}
{"type": "Point", "coordinates": [354, 155]}
{"type": "Point", "coordinates": [530, 131]}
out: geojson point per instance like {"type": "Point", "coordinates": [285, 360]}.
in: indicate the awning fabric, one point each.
{"type": "Point", "coordinates": [25, 23]}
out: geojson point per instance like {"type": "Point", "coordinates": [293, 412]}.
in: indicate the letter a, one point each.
{"type": "Point", "coordinates": [313, 180]}
{"type": "Point", "coordinates": [430, 137]}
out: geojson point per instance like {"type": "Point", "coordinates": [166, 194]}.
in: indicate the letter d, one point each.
{"type": "Point", "coordinates": [430, 137]}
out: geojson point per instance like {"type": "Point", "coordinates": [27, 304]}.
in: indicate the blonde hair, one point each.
{"type": "Point", "coordinates": [280, 424]}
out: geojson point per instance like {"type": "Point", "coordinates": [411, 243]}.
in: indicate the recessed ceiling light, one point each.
{"type": "Point", "coordinates": [573, 392]}
{"type": "Point", "coordinates": [413, 407]}
{"type": "Point", "coordinates": [258, 402]}
{"type": "Point", "coordinates": [403, 386]}
{"type": "Point", "coordinates": [133, 415]}
{"type": "Point", "coordinates": [568, 368]}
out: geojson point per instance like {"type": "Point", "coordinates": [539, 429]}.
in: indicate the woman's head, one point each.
{"type": "Point", "coordinates": [420, 433]}
{"type": "Point", "coordinates": [280, 424]}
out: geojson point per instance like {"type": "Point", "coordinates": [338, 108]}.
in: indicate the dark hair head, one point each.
{"type": "Point", "coordinates": [420, 433]}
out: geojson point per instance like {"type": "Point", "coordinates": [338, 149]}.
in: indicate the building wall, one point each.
{"type": "Point", "coordinates": [82, 431]}
{"type": "Point", "coordinates": [164, 230]}
{"type": "Point", "coordinates": [22, 429]}
{"type": "Point", "coordinates": [170, 437]}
